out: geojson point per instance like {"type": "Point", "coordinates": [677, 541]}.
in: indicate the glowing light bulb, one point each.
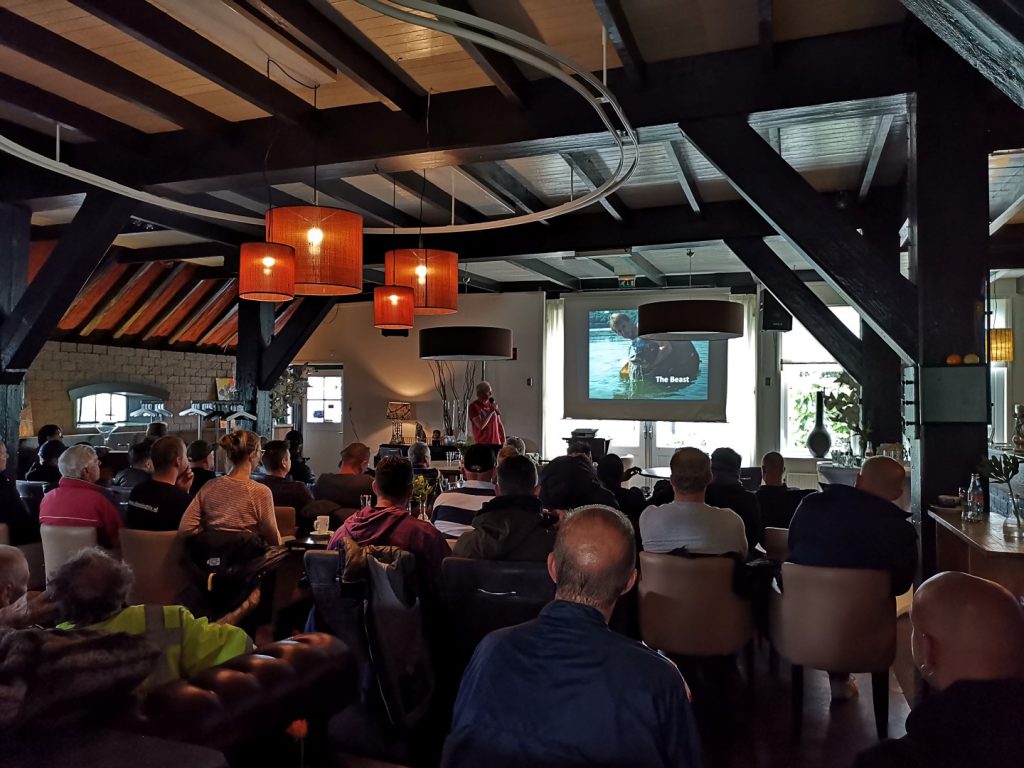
{"type": "Point", "coordinates": [393, 298]}
{"type": "Point", "coordinates": [269, 261]}
{"type": "Point", "coordinates": [315, 236]}
{"type": "Point", "coordinates": [421, 274]}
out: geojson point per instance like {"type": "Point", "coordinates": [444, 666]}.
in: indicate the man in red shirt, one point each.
{"type": "Point", "coordinates": [485, 417]}
{"type": "Point", "coordinates": [77, 501]}
{"type": "Point", "coordinates": [389, 523]}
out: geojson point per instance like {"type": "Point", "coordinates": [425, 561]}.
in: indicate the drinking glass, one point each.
{"type": "Point", "coordinates": [365, 500]}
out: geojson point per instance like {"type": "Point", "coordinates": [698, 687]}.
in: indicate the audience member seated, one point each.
{"type": "Point", "coordinates": [858, 527]}
{"type": "Point", "coordinates": [200, 461]}
{"type": "Point", "coordinates": [23, 525]}
{"type": "Point", "coordinates": [564, 690]}
{"type": "Point", "coordinates": [46, 469]}
{"type": "Point", "coordinates": [518, 443]}
{"type": "Point", "coordinates": [91, 592]}
{"type": "Point", "coordinates": [277, 463]}
{"type": "Point", "coordinates": [389, 523]}
{"type": "Point", "coordinates": [234, 502]}
{"type": "Point", "coordinates": [687, 522]}
{"type": "Point", "coordinates": [726, 491]}
{"type": "Point", "coordinates": [300, 470]}
{"type": "Point", "coordinates": [46, 433]}
{"type": "Point", "coordinates": [967, 641]}
{"type": "Point", "coordinates": [513, 525]}
{"type": "Point", "coordinates": [505, 452]}
{"type": "Point", "coordinates": [157, 504]}
{"type": "Point", "coordinates": [580, 448]}
{"type": "Point", "coordinates": [19, 607]}
{"type": "Point", "coordinates": [140, 455]}
{"type": "Point", "coordinates": [777, 501]}
{"type": "Point", "coordinates": [567, 482]}
{"type": "Point", "coordinates": [612, 474]}
{"type": "Point", "coordinates": [419, 457]}
{"type": "Point", "coordinates": [49, 432]}
{"type": "Point", "coordinates": [156, 430]}
{"type": "Point", "coordinates": [350, 483]}
{"type": "Point", "coordinates": [78, 501]}
{"type": "Point", "coordinates": [459, 506]}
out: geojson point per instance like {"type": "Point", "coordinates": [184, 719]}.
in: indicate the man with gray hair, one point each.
{"type": "Point", "coordinates": [91, 591]}
{"type": "Point", "coordinates": [485, 418]}
{"type": "Point", "coordinates": [78, 501]}
{"type": "Point", "coordinates": [18, 607]}
{"type": "Point", "coordinates": [563, 689]}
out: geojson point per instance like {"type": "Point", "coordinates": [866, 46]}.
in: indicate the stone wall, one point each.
{"type": "Point", "coordinates": [62, 366]}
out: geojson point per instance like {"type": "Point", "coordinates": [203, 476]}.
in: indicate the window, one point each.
{"type": "Point", "coordinates": [102, 407]}
{"type": "Point", "coordinates": [323, 399]}
{"type": "Point", "coordinates": [807, 367]}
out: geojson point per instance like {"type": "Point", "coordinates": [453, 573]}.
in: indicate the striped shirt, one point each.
{"type": "Point", "coordinates": [459, 506]}
{"type": "Point", "coordinates": [232, 504]}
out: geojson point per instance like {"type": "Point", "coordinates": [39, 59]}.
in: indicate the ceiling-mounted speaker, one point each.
{"type": "Point", "coordinates": [774, 316]}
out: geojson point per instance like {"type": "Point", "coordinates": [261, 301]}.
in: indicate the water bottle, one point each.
{"type": "Point", "coordinates": [975, 501]}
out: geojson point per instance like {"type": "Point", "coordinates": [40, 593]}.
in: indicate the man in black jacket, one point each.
{"type": "Point", "coordinates": [567, 482]}
{"type": "Point", "coordinates": [968, 636]}
{"type": "Point", "coordinates": [511, 526]}
{"type": "Point", "coordinates": [727, 492]}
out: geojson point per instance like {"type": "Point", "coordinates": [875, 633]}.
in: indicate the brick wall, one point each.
{"type": "Point", "coordinates": [62, 366]}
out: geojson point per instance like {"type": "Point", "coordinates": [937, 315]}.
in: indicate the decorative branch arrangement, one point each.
{"type": "Point", "coordinates": [455, 391]}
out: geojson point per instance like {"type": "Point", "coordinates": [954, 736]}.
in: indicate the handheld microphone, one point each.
{"type": "Point", "coordinates": [491, 400]}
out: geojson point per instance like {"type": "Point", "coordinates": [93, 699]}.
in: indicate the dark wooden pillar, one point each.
{"type": "Point", "coordinates": [882, 378]}
{"type": "Point", "coordinates": [15, 231]}
{"type": "Point", "coordinates": [255, 331]}
{"type": "Point", "coordinates": [949, 236]}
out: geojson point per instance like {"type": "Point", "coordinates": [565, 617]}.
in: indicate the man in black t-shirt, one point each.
{"type": "Point", "coordinates": [277, 464]}
{"type": "Point", "coordinates": [157, 504]}
{"type": "Point", "coordinates": [200, 459]}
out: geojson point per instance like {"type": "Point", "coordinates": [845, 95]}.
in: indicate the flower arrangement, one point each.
{"type": "Point", "coordinates": [1002, 470]}
{"type": "Point", "coordinates": [422, 490]}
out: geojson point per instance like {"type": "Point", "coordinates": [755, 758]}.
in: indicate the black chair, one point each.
{"type": "Point", "coordinates": [484, 595]}
{"type": "Point", "coordinates": [750, 478]}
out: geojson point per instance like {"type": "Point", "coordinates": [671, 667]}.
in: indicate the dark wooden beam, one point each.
{"type": "Point", "coordinates": [988, 34]}
{"type": "Point", "coordinates": [219, 326]}
{"type": "Point", "coordinates": [363, 203]}
{"type": "Point", "coordinates": [418, 186]}
{"type": "Point", "coordinates": [288, 341]}
{"type": "Point", "coordinates": [54, 231]}
{"type": "Point", "coordinates": [500, 69]}
{"type": "Point", "coordinates": [549, 272]}
{"type": "Point", "coordinates": [874, 155]}
{"type": "Point", "coordinates": [1009, 213]}
{"type": "Point", "coordinates": [322, 32]}
{"type": "Point", "coordinates": [14, 247]}
{"type": "Point", "coordinates": [178, 309]}
{"type": "Point", "coordinates": [643, 265]}
{"type": "Point", "coordinates": [195, 225]}
{"type": "Point", "coordinates": [588, 168]}
{"type": "Point", "coordinates": [613, 17]}
{"type": "Point", "coordinates": [175, 252]}
{"type": "Point", "coordinates": [1006, 249]}
{"type": "Point", "coordinates": [783, 283]}
{"type": "Point", "coordinates": [164, 33]}
{"type": "Point", "coordinates": [79, 62]}
{"type": "Point", "coordinates": [816, 229]}
{"type": "Point", "coordinates": [206, 314]}
{"type": "Point", "coordinates": [675, 155]}
{"type": "Point", "coordinates": [766, 32]}
{"type": "Point", "coordinates": [504, 186]}
{"type": "Point", "coordinates": [77, 254]}
{"type": "Point", "coordinates": [60, 110]}
{"type": "Point", "coordinates": [479, 282]}
{"type": "Point", "coordinates": [255, 331]}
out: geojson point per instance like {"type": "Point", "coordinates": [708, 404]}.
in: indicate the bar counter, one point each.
{"type": "Point", "coordinates": [978, 548]}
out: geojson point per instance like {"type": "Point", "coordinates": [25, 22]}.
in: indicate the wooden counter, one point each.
{"type": "Point", "coordinates": [978, 549]}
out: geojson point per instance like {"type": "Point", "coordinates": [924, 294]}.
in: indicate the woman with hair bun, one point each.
{"type": "Point", "coordinates": [234, 502]}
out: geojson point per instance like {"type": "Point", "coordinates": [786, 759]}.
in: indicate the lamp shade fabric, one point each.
{"type": "Point", "coordinates": [465, 342]}
{"type": "Point", "coordinates": [1000, 345]}
{"type": "Point", "coordinates": [400, 410]}
{"type": "Point", "coordinates": [433, 275]}
{"type": "Point", "coordinates": [328, 245]}
{"type": "Point", "coordinates": [392, 307]}
{"type": "Point", "coordinates": [690, 320]}
{"type": "Point", "coordinates": [266, 272]}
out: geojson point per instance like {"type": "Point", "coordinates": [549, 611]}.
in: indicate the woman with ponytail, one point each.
{"type": "Point", "coordinates": [234, 502]}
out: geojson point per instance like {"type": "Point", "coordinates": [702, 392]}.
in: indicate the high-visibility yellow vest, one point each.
{"type": "Point", "coordinates": [187, 644]}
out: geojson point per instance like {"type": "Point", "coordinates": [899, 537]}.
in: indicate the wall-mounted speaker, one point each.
{"type": "Point", "coordinates": [774, 316]}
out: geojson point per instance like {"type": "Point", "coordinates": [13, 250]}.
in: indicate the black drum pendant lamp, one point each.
{"type": "Point", "coordinates": [690, 320]}
{"type": "Point", "coordinates": [465, 342]}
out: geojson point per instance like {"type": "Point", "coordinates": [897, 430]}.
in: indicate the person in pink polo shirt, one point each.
{"type": "Point", "coordinates": [485, 418]}
{"type": "Point", "coordinates": [78, 501]}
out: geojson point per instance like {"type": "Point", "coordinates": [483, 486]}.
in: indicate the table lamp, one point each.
{"type": "Point", "coordinates": [398, 412]}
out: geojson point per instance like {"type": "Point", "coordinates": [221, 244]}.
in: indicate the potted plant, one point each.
{"type": "Point", "coordinates": [844, 407]}
{"type": "Point", "coordinates": [1003, 469]}
{"type": "Point", "coordinates": [422, 489]}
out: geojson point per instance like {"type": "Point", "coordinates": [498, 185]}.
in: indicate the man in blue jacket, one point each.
{"type": "Point", "coordinates": [564, 689]}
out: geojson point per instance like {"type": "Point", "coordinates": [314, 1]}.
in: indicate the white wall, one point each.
{"type": "Point", "coordinates": [380, 369]}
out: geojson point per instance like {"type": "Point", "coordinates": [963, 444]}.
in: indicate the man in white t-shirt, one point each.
{"type": "Point", "coordinates": [687, 521]}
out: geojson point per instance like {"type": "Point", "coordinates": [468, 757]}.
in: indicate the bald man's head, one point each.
{"type": "Point", "coordinates": [883, 477]}
{"type": "Point", "coordinates": [773, 468]}
{"type": "Point", "coordinates": [594, 558]}
{"type": "Point", "coordinates": [966, 628]}
{"type": "Point", "coordinates": [13, 575]}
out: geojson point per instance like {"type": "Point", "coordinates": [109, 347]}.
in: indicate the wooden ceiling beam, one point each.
{"type": "Point", "coordinates": [674, 153]}
{"type": "Point", "coordinates": [324, 33]}
{"type": "Point", "coordinates": [125, 297]}
{"type": "Point", "coordinates": [164, 33]}
{"type": "Point", "coordinates": [613, 17]}
{"type": "Point", "coordinates": [363, 203]}
{"type": "Point", "coordinates": [504, 186]}
{"type": "Point", "coordinates": [222, 329]}
{"type": "Point", "coordinates": [817, 230]}
{"type": "Point", "coordinates": [289, 339]}
{"type": "Point", "coordinates": [180, 305]}
{"type": "Point", "coordinates": [193, 225]}
{"type": "Point", "coordinates": [82, 64]}
{"type": "Point", "coordinates": [588, 168]}
{"type": "Point", "coordinates": [551, 273]}
{"type": "Point", "coordinates": [1011, 211]}
{"type": "Point", "coordinates": [419, 187]}
{"type": "Point", "coordinates": [207, 314]}
{"type": "Point", "coordinates": [175, 252]}
{"type": "Point", "coordinates": [644, 266]}
{"type": "Point", "coordinates": [177, 280]}
{"type": "Point", "coordinates": [874, 155]}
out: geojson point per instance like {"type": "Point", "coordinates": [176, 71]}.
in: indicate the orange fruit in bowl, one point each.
{"type": "Point", "coordinates": [971, 359]}
{"type": "Point", "coordinates": [954, 359]}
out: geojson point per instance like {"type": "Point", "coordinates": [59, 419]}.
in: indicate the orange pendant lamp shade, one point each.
{"type": "Point", "coordinates": [392, 307]}
{"type": "Point", "coordinates": [328, 245]}
{"type": "Point", "coordinates": [433, 276]}
{"type": "Point", "coordinates": [266, 272]}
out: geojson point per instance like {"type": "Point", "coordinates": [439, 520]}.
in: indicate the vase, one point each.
{"type": "Point", "coordinates": [1011, 524]}
{"type": "Point", "coordinates": [819, 440]}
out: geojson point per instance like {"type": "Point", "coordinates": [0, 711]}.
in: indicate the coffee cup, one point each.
{"type": "Point", "coordinates": [322, 524]}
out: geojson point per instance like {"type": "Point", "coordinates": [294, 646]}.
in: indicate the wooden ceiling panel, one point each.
{"type": "Point", "coordinates": [794, 19]}
{"type": "Point", "coordinates": [132, 293]}
{"type": "Point", "coordinates": [172, 320]}
{"type": "Point", "coordinates": [141, 318]}
{"type": "Point", "coordinates": [92, 294]}
{"type": "Point", "coordinates": [574, 29]}
{"type": "Point", "coordinates": [206, 315]}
